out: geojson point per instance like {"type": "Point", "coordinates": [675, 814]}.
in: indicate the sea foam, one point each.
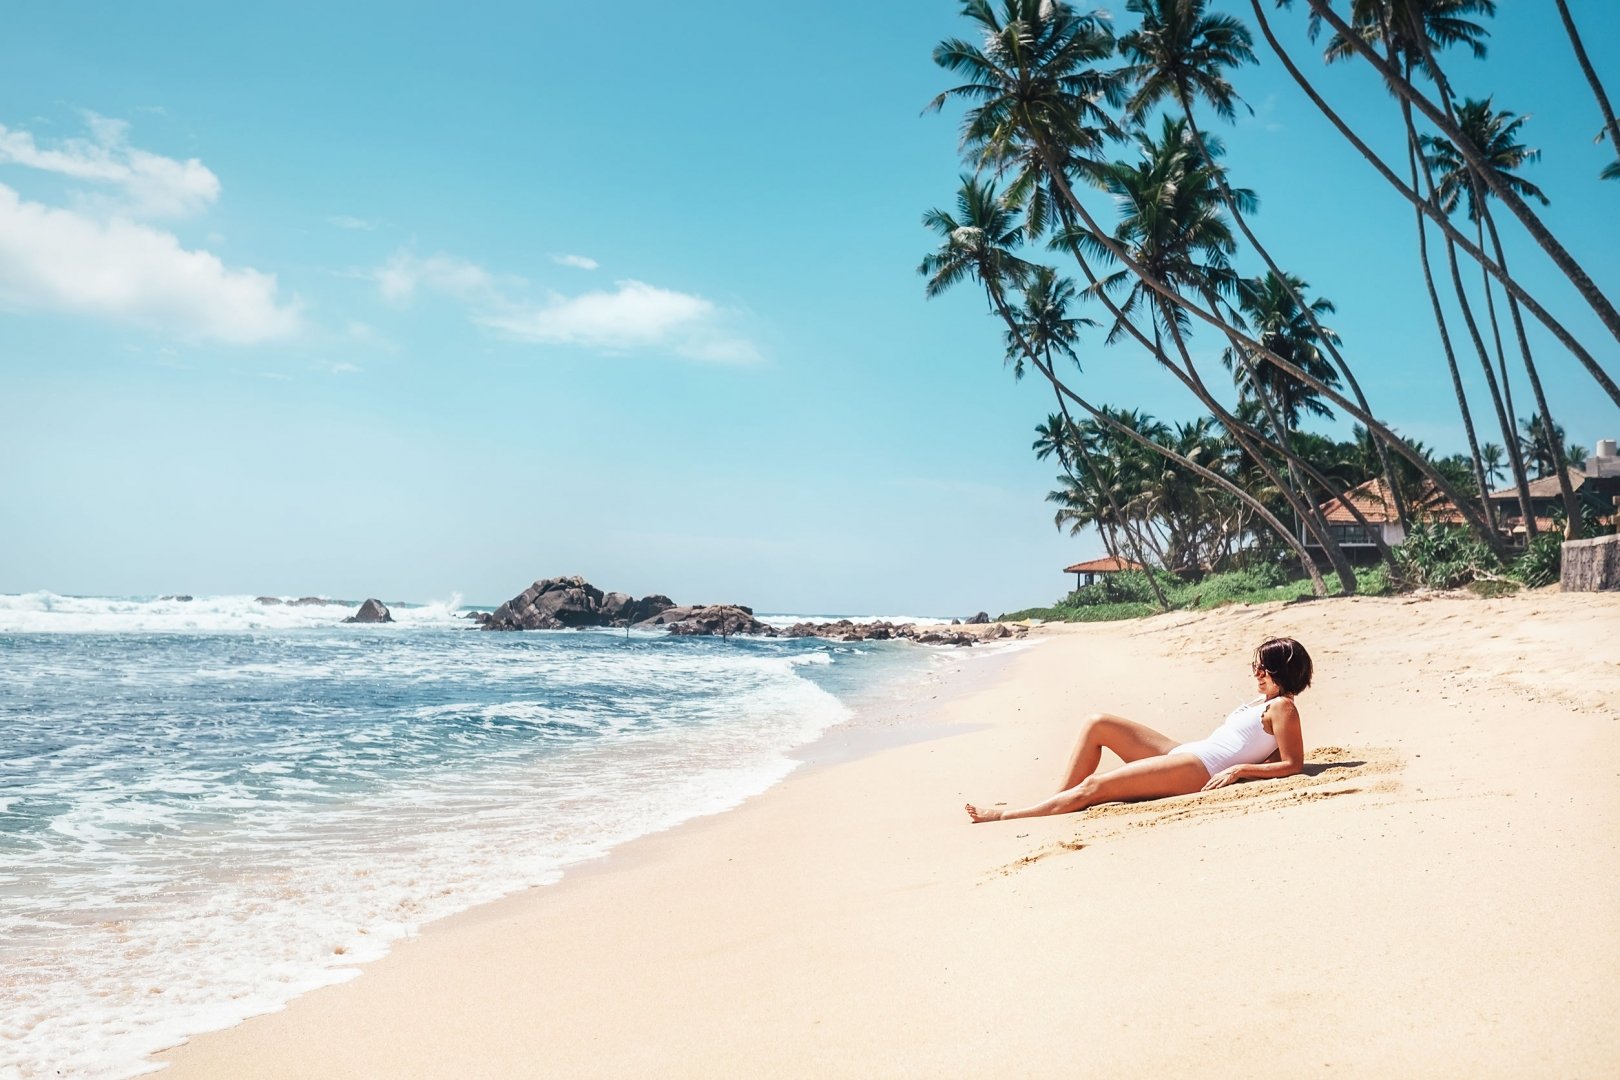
{"type": "Point", "coordinates": [198, 824]}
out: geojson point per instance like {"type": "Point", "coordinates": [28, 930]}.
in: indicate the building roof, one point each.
{"type": "Point", "coordinates": [1373, 499]}
{"type": "Point", "coordinates": [1108, 565]}
{"type": "Point", "coordinates": [1544, 487]}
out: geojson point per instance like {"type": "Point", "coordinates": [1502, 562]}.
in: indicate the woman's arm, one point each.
{"type": "Point", "coordinates": [1284, 719]}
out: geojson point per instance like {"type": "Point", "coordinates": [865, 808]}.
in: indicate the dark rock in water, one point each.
{"type": "Point", "coordinates": [372, 611]}
{"type": "Point", "coordinates": [477, 616]}
{"type": "Point", "coordinates": [708, 620]}
{"type": "Point", "coordinates": [184, 599]}
{"type": "Point", "coordinates": [647, 607]}
{"type": "Point", "coordinates": [571, 602]}
{"type": "Point", "coordinates": [268, 600]}
{"type": "Point", "coordinates": [956, 622]}
{"type": "Point", "coordinates": [313, 601]}
{"type": "Point", "coordinates": [616, 607]}
{"type": "Point", "coordinates": [980, 619]}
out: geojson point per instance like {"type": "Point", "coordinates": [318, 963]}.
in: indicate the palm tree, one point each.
{"type": "Point", "coordinates": [1043, 324]}
{"type": "Point", "coordinates": [1491, 456]}
{"type": "Point", "coordinates": [1410, 33]}
{"type": "Point", "coordinates": [1559, 331]}
{"type": "Point", "coordinates": [1271, 306]}
{"type": "Point", "coordinates": [1409, 19]}
{"type": "Point", "coordinates": [1032, 99]}
{"type": "Point", "coordinates": [979, 245]}
{"type": "Point", "coordinates": [1542, 444]}
{"type": "Point", "coordinates": [1180, 51]}
{"type": "Point", "coordinates": [1611, 127]}
{"type": "Point", "coordinates": [1494, 137]}
{"type": "Point", "coordinates": [1172, 229]}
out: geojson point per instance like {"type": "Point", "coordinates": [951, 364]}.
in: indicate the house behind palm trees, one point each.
{"type": "Point", "coordinates": [1372, 498]}
{"type": "Point", "coordinates": [1596, 483]}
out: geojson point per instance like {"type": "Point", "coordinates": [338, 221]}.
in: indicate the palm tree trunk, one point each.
{"type": "Point", "coordinates": [1451, 355]}
{"type": "Point", "coordinates": [1543, 316]}
{"type": "Point", "coordinates": [1108, 493]}
{"type": "Point", "coordinates": [1515, 459]}
{"type": "Point", "coordinates": [1403, 86]}
{"type": "Point", "coordinates": [1316, 326]}
{"type": "Point", "coordinates": [1306, 514]}
{"type": "Point", "coordinates": [1496, 326]}
{"type": "Point", "coordinates": [1566, 491]}
{"type": "Point", "coordinates": [1609, 122]}
{"type": "Point", "coordinates": [1193, 383]}
{"type": "Point", "coordinates": [1318, 585]}
{"type": "Point", "coordinates": [1488, 534]}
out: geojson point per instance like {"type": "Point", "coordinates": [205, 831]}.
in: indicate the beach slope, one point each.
{"type": "Point", "coordinates": [1436, 896]}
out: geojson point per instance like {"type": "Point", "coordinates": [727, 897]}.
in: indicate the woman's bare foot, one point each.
{"type": "Point", "coordinates": [982, 815]}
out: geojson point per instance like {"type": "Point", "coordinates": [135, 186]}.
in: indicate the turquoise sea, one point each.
{"type": "Point", "coordinates": [210, 806]}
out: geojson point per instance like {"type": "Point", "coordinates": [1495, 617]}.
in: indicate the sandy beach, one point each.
{"type": "Point", "coordinates": [1436, 896]}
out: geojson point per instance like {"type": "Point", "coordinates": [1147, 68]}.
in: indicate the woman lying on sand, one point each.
{"type": "Point", "coordinates": [1260, 739]}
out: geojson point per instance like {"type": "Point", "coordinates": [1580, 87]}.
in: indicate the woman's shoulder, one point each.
{"type": "Point", "coordinates": [1281, 706]}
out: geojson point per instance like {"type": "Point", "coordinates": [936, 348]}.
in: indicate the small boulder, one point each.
{"type": "Point", "coordinates": [268, 601]}
{"type": "Point", "coordinates": [372, 611]}
{"type": "Point", "coordinates": [980, 619]}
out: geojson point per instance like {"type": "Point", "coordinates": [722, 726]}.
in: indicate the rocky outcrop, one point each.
{"type": "Point", "coordinates": [372, 611]}
{"type": "Point", "coordinates": [980, 619]}
{"type": "Point", "coordinates": [562, 603]}
{"type": "Point", "coordinates": [182, 597]}
{"type": "Point", "coordinates": [708, 620]}
{"type": "Point", "coordinates": [565, 603]}
{"type": "Point", "coordinates": [268, 601]}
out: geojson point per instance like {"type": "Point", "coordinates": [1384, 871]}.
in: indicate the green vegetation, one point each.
{"type": "Point", "coordinates": [1084, 149]}
{"type": "Point", "coordinates": [1129, 595]}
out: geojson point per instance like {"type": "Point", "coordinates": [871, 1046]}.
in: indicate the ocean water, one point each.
{"type": "Point", "coordinates": [209, 807]}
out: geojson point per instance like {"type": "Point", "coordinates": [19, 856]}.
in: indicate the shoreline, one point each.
{"type": "Point", "coordinates": [848, 921]}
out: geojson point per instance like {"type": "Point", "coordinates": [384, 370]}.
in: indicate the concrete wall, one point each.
{"type": "Point", "coordinates": [1591, 565]}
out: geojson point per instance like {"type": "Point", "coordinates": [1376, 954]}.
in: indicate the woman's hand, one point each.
{"type": "Point", "coordinates": [1224, 777]}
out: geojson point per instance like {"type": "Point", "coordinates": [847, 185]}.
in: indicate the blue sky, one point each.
{"type": "Point", "coordinates": [371, 299]}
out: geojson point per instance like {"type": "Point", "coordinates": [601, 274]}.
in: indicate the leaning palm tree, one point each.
{"type": "Point", "coordinates": [1032, 99]}
{"type": "Point", "coordinates": [1611, 127]}
{"type": "Point", "coordinates": [1273, 310]}
{"type": "Point", "coordinates": [1044, 324]}
{"type": "Point", "coordinates": [1181, 52]}
{"type": "Point", "coordinates": [1171, 225]}
{"type": "Point", "coordinates": [1404, 22]}
{"type": "Point", "coordinates": [978, 245]}
{"type": "Point", "coordinates": [1494, 136]}
{"type": "Point", "coordinates": [1515, 288]}
{"type": "Point", "coordinates": [1411, 33]}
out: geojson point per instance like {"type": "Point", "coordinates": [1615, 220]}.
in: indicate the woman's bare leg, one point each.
{"type": "Point", "coordinates": [1147, 778]}
{"type": "Point", "coordinates": [1126, 738]}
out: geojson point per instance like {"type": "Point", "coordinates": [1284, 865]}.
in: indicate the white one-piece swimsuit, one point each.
{"type": "Point", "coordinates": [1242, 739]}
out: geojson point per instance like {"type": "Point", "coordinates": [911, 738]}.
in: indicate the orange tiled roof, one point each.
{"type": "Point", "coordinates": [1373, 499]}
{"type": "Point", "coordinates": [1108, 565]}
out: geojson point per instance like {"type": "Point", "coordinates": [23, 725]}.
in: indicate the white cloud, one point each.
{"type": "Point", "coordinates": [404, 274]}
{"type": "Point", "coordinates": [636, 314]}
{"type": "Point", "coordinates": [633, 315]}
{"type": "Point", "coordinates": [344, 221]}
{"type": "Point", "coordinates": [581, 262]}
{"type": "Point", "coordinates": [343, 367]}
{"type": "Point", "coordinates": [64, 260]}
{"type": "Point", "coordinates": [148, 185]}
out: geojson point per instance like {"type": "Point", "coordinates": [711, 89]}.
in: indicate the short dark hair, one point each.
{"type": "Point", "coordinates": [1287, 662]}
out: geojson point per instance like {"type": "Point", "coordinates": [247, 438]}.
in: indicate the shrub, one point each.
{"type": "Point", "coordinates": [1443, 557]}
{"type": "Point", "coordinates": [1541, 562]}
